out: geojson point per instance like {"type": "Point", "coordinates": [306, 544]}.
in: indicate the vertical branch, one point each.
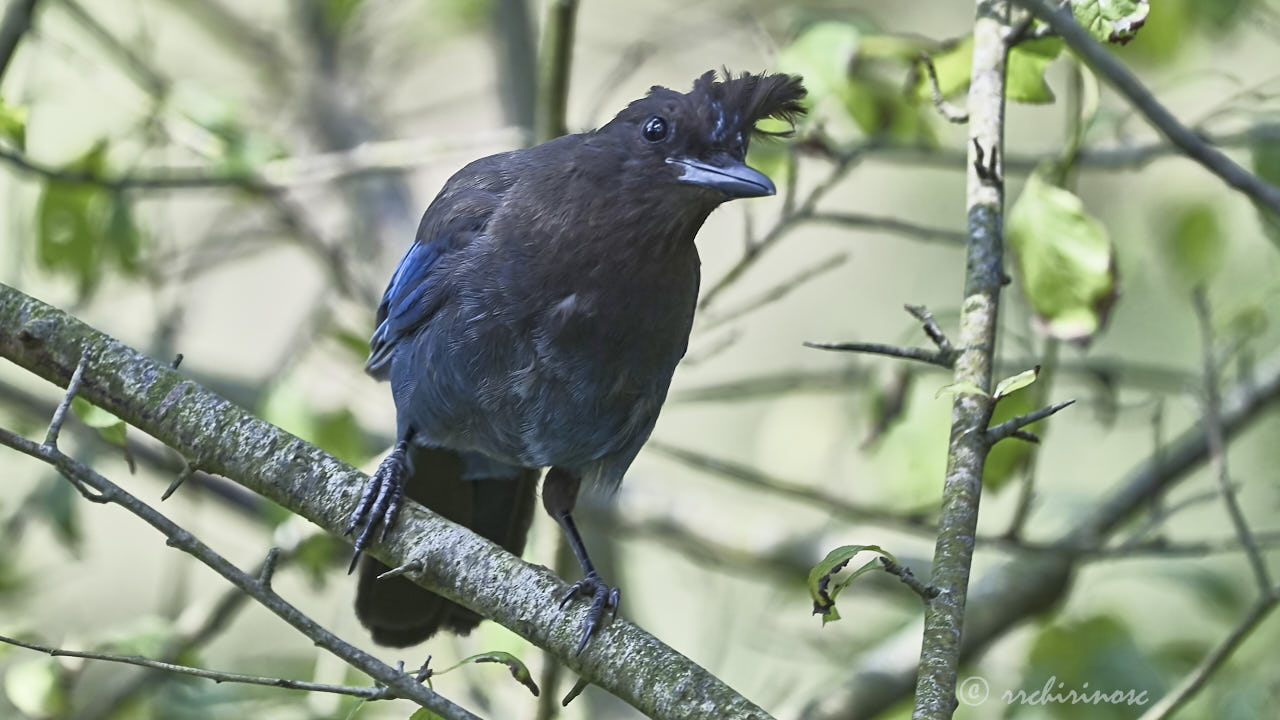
{"type": "Point", "coordinates": [1218, 444]}
{"type": "Point", "coordinates": [16, 23]}
{"type": "Point", "coordinates": [555, 55]}
{"type": "Point", "coordinates": [513, 45]}
{"type": "Point", "coordinates": [953, 556]}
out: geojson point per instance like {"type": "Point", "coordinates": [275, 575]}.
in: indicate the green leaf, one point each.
{"type": "Point", "coordinates": [829, 56]}
{"type": "Point", "coordinates": [1014, 383]}
{"type": "Point", "coordinates": [111, 428]}
{"type": "Point", "coordinates": [1266, 163]}
{"type": "Point", "coordinates": [886, 46]}
{"type": "Point", "coordinates": [316, 554]}
{"type": "Point", "coordinates": [339, 13]}
{"type": "Point", "coordinates": [35, 687]}
{"type": "Point", "coordinates": [288, 405]}
{"type": "Point", "coordinates": [13, 124]}
{"type": "Point", "coordinates": [967, 387]}
{"type": "Point", "coordinates": [60, 503]}
{"type": "Point", "coordinates": [148, 636]}
{"type": "Point", "coordinates": [1115, 21]}
{"type": "Point", "coordinates": [424, 714]}
{"type": "Point", "coordinates": [1095, 654]}
{"type": "Point", "coordinates": [80, 227]}
{"type": "Point", "coordinates": [821, 588]}
{"type": "Point", "coordinates": [1194, 244]}
{"type": "Point", "coordinates": [770, 157]}
{"type": "Point", "coordinates": [513, 663]}
{"type": "Point", "coordinates": [338, 432]}
{"type": "Point", "coordinates": [822, 53]}
{"type": "Point", "coordinates": [1027, 64]}
{"type": "Point", "coordinates": [1025, 76]}
{"type": "Point", "coordinates": [1066, 260]}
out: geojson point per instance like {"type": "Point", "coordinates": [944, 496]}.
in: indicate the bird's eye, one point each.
{"type": "Point", "coordinates": [655, 129]}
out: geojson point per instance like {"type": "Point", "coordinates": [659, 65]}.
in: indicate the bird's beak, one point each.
{"type": "Point", "coordinates": [733, 178]}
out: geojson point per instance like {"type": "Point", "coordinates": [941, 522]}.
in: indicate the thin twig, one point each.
{"type": "Point", "coordinates": [889, 224]}
{"type": "Point", "coordinates": [788, 221]}
{"type": "Point", "coordinates": [947, 110]}
{"type": "Point", "coordinates": [465, 568]}
{"type": "Point", "coordinates": [217, 619]}
{"type": "Point", "coordinates": [752, 478]}
{"type": "Point", "coordinates": [1191, 143]}
{"type": "Point", "coordinates": [60, 414]}
{"type": "Point", "coordinates": [187, 471]}
{"type": "Point", "coordinates": [555, 62]}
{"type": "Point", "coordinates": [268, 569]}
{"type": "Point", "coordinates": [1194, 680]}
{"type": "Point", "coordinates": [79, 474]}
{"type": "Point", "coordinates": [908, 578]}
{"type": "Point", "coordinates": [931, 357]}
{"type": "Point", "coordinates": [16, 23]}
{"type": "Point", "coordinates": [1007, 428]}
{"type": "Point", "coordinates": [944, 357]}
{"type": "Point", "coordinates": [1217, 443]}
{"type": "Point", "coordinates": [931, 328]}
{"type": "Point", "coordinates": [774, 293]}
{"type": "Point", "coordinates": [218, 676]}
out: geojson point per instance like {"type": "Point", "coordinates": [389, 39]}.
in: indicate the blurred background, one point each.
{"type": "Point", "coordinates": [234, 181]}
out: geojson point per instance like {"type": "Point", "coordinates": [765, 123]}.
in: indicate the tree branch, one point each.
{"type": "Point", "coordinates": [555, 60]}
{"type": "Point", "coordinates": [108, 492]}
{"type": "Point", "coordinates": [368, 693]}
{"type": "Point", "coordinates": [223, 439]}
{"type": "Point", "coordinates": [1218, 445]}
{"type": "Point", "coordinates": [1191, 684]}
{"type": "Point", "coordinates": [1010, 428]}
{"type": "Point", "coordinates": [17, 21]}
{"type": "Point", "coordinates": [1023, 588]}
{"type": "Point", "coordinates": [1191, 143]}
{"type": "Point", "coordinates": [971, 412]}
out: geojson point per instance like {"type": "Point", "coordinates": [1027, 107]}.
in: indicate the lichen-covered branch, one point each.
{"type": "Point", "coordinates": [971, 412]}
{"type": "Point", "coordinates": [220, 438]}
{"type": "Point", "coordinates": [98, 489]}
{"type": "Point", "coordinates": [1186, 140]}
{"type": "Point", "coordinates": [1036, 582]}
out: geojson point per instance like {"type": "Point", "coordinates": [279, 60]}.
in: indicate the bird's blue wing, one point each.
{"type": "Point", "coordinates": [406, 304]}
{"type": "Point", "coordinates": [455, 218]}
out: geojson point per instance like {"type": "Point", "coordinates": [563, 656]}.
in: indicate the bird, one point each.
{"type": "Point", "coordinates": [536, 321]}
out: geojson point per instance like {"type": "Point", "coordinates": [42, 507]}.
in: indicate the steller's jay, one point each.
{"type": "Point", "coordinates": [536, 322]}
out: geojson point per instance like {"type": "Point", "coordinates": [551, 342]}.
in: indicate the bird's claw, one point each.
{"type": "Point", "coordinates": [603, 598]}
{"type": "Point", "coordinates": [380, 501]}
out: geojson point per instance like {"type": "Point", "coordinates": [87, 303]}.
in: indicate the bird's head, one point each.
{"type": "Point", "coordinates": [698, 140]}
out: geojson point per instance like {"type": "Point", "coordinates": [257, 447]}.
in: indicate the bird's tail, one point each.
{"type": "Point", "coordinates": [399, 613]}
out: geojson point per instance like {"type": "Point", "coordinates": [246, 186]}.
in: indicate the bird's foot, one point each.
{"type": "Point", "coordinates": [603, 599]}
{"type": "Point", "coordinates": [380, 500]}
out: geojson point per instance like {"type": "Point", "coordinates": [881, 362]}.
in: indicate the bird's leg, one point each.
{"type": "Point", "coordinates": [559, 494]}
{"type": "Point", "coordinates": [380, 500]}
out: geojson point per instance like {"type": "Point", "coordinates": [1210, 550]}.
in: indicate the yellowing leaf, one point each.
{"type": "Point", "coordinates": [1015, 383]}
{"type": "Point", "coordinates": [1066, 261]}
